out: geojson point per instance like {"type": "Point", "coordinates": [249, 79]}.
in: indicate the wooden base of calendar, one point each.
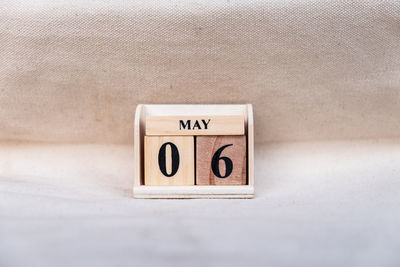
{"type": "Point", "coordinates": [197, 191]}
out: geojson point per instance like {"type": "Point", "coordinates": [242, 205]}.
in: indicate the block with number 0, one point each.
{"type": "Point", "coordinates": [169, 160]}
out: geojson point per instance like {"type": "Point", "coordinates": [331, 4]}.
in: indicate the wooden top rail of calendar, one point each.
{"type": "Point", "coordinates": [195, 125]}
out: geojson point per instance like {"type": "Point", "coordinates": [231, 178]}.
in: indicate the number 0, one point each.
{"type": "Point", "coordinates": [174, 159]}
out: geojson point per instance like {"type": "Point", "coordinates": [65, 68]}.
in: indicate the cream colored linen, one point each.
{"type": "Point", "coordinates": [73, 71]}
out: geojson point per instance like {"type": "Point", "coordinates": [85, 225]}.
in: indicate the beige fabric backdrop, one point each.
{"type": "Point", "coordinates": [74, 71]}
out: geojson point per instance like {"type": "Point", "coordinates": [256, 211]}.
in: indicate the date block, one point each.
{"type": "Point", "coordinates": [221, 160]}
{"type": "Point", "coordinates": [169, 160]}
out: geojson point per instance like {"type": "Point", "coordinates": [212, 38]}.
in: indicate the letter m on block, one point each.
{"type": "Point", "coordinates": [183, 125]}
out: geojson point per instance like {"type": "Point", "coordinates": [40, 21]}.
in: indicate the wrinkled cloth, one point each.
{"type": "Point", "coordinates": [316, 204]}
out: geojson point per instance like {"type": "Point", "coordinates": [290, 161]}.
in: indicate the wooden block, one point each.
{"type": "Point", "coordinates": [221, 160]}
{"type": "Point", "coordinates": [195, 125]}
{"type": "Point", "coordinates": [169, 160]}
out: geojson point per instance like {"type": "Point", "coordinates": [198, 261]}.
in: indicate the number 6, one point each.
{"type": "Point", "coordinates": [215, 163]}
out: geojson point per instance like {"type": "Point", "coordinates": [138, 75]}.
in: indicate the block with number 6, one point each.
{"type": "Point", "coordinates": [221, 160]}
{"type": "Point", "coordinates": [169, 160]}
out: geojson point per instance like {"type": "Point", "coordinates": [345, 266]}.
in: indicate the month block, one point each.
{"type": "Point", "coordinates": [195, 125]}
{"type": "Point", "coordinates": [221, 160]}
{"type": "Point", "coordinates": [169, 160]}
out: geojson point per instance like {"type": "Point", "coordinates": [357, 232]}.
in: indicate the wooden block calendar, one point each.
{"type": "Point", "coordinates": [194, 151]}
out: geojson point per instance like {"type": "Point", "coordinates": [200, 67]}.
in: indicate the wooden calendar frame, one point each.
{"type": "Point", "coordinates": [197, 191]}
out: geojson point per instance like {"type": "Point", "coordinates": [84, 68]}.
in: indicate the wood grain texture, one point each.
{"type": "Point", "coordinates": [185, 171]}
{"type": "Point", "coordinates": [235, 150]}
{"type": "Point", "coordinates": [195, 125]}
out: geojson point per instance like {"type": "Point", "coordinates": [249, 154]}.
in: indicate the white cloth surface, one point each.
{"type": "Point", "coordinates": [317, 204]}
{"type": "Point", "coordinates": [72, 73]}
